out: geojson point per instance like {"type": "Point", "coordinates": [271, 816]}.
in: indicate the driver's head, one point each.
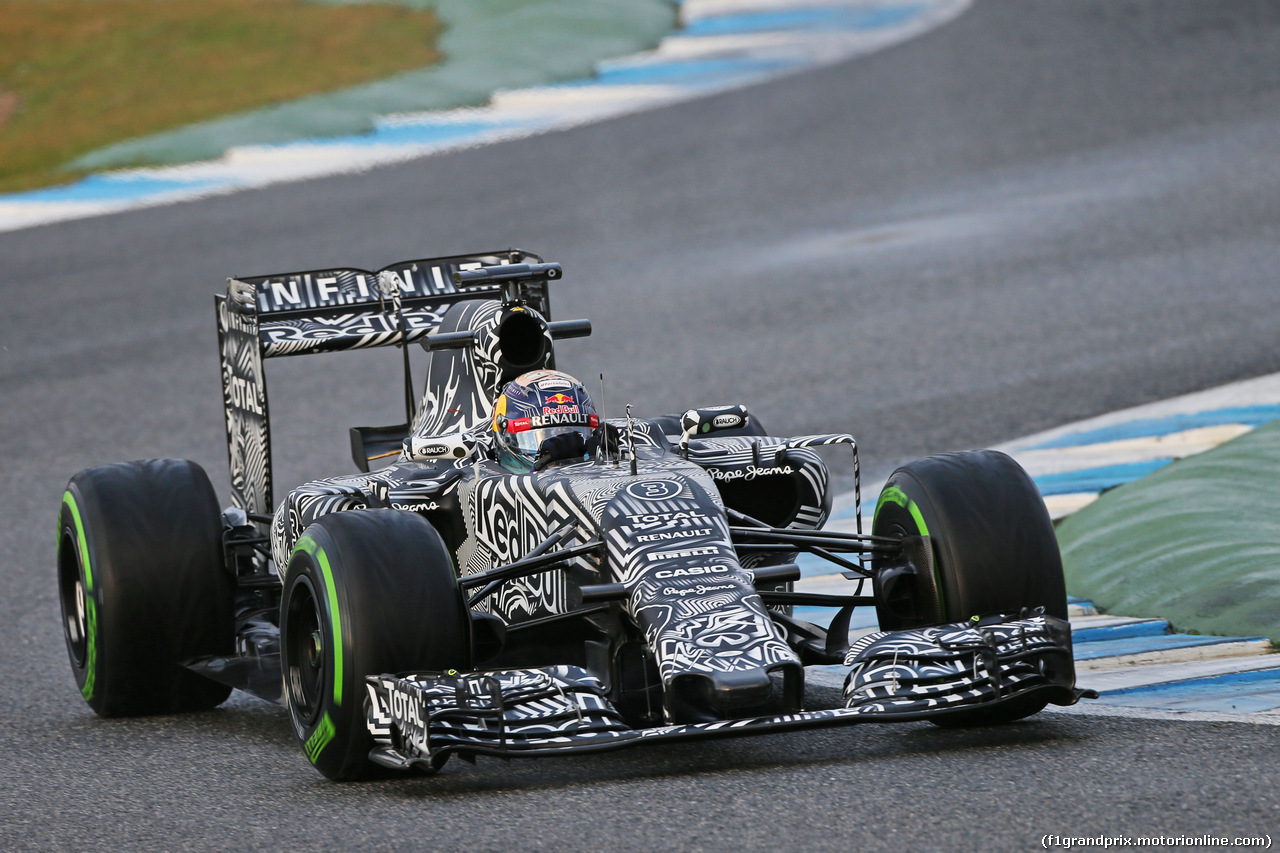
{"type": "Point", "coordinates": [534, 407]}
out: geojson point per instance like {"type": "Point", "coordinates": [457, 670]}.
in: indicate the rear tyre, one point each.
{"type": "Point", "coordinates": [143, 586]}
{"type": "Point", "coordinates": [366, 592]}
{"type": "Point", "coordinates": [994, 550]}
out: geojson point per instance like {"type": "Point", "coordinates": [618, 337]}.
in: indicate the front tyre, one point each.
{"type": "Point", "coordinates": [143, 586]}
{"type": "Point", "coordinates": [993, 548]}
{"type": "Point", "coordinates": [366, 592]}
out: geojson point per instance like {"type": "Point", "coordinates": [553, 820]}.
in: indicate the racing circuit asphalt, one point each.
{"type": "Point", "coordinates": [1039, 212]}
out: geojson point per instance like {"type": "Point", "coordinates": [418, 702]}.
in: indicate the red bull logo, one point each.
{"type": "Point", "coordinates": [559, 399]}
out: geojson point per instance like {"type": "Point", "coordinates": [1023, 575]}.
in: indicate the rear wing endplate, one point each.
{"type": "Point", "coordinates": [298, 313]}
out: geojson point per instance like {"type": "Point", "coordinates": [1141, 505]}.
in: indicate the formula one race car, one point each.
{"type": "Point", "coordinates": [527, 577]}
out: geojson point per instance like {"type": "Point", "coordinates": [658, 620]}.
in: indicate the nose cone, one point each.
{"type": "Point", "coordinates": [718, 652]}
{"type": "Point", "coordinates": [701, 697]}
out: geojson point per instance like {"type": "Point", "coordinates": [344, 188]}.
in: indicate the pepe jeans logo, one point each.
{"type": "Point", "coordinates": [747, 474]}
{"type": "Point", "coordinates": [700, 589]}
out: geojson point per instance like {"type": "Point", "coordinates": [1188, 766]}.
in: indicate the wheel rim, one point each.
{"type": "Point", "coordinates": [907, 605]}
{"type": "Point", "coordinates": [75, 618]}
{"type": "Point", "coordinates": [305, 653]}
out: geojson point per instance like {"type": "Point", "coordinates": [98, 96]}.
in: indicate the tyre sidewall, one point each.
{"type": "Point", "coordinates": [898, 515]}
{"type": "Point", "coordinates": [995, 550]}
{"type": "Point", "coordinates": [74, 552]}
{"type": "Point", "coordinates": [145, 538]}
{"type": "Point", "coordinates": [388, 601]}
{"type": "Point", "coordinates": [339, 707]}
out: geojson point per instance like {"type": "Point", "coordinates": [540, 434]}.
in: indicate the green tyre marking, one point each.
{"type": "Point", "coordinates": [320, 738]}
{"type": "Point", "coordinates": [306, 543]}
{"type": "Point", "coordinates": [91, 609]}
{"type": "Point", "coordinates": [896, 496]}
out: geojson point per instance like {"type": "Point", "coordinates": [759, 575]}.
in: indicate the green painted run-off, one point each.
{"type": "Point", "coordinates": [1196, 543]}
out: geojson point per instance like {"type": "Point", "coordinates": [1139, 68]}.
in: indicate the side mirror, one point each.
{"type": "Point", "coordinates": [452, 447]}
{"type": "Point", "coordinates": [714, 419]}
{"type": "Point", "coordinates": [374, 447]}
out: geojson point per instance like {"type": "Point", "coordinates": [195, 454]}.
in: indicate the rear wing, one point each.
{"type": "Point", "coordinates": [262, 317]}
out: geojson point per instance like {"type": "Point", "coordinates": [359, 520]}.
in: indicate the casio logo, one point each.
{"type": "Point", "coordinates": [692, 570]}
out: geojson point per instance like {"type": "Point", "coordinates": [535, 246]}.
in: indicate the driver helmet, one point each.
{"type": "Point", "coordinates": [534, 407]}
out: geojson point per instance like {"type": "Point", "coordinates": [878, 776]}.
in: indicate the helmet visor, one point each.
{"type": "Point", "coordinates": [529, 441]}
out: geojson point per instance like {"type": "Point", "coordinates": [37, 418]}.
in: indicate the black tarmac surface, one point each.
{"type": "Point", "coordinates": [1040, 212]}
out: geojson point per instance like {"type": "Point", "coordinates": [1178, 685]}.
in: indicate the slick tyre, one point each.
{"type": "Point", "coordinates": [366, 592]}
{"type": "Point", "coordinates": [143, 586]}
{"type": "Point", "coordinates": [993, 549]}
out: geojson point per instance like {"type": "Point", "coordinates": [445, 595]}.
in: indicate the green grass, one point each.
{"type": "Point", "coordinates": [76, 75]}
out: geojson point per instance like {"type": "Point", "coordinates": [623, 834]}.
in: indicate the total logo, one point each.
{"type": "Point", "coordinates": [244, 395]}
{"type": "Point", "coordinates": [405, 708]}
{"type": "Point", "coordinates": [681, 518]}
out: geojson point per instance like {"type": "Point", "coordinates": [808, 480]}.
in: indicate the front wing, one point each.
{"type": "Point", "coordinates": [417, 720]}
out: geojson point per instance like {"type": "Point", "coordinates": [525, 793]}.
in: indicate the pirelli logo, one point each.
{"type": "Point", "coordinates": [685, 552]}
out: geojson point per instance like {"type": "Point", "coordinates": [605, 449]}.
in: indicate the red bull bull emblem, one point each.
{"type": "Point", "coordinates": [559, 404]}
